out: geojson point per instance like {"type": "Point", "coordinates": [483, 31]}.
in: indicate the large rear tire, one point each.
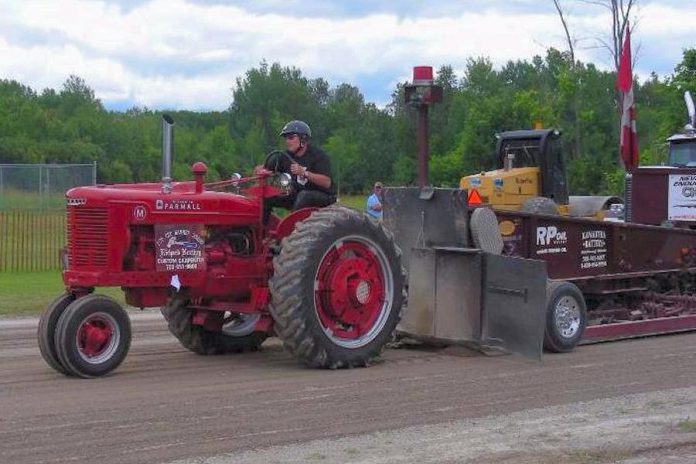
{"type": "Point", "coordinates": [566, 317]}
{"type": "Point", "coordinates": [47, 329]}
{"type": "Point", "coordinates": [338, 289]}
{"type": "Point", "coordinates": [92, 336]}
{"type": "Point", "coordinates": [201, 341]}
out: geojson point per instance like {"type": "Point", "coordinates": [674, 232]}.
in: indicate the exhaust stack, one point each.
{"type": "Point", "coordinates": [167, 145]}
{"type": "Point", "coordinates": [690, 109]}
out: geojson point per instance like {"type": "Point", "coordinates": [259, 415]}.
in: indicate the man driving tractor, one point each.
{"type": "Point", "coordinates": [309, 166]}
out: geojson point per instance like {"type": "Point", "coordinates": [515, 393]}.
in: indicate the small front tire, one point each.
{"type": "Point", "coordinates": [92, 336]}
{"type": "Point", "coordinates": [47, 329]}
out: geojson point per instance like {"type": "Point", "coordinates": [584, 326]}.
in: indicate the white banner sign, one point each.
{"type": "Point", "coordinates": [682, 198]}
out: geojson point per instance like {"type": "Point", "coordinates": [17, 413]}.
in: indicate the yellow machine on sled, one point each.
{"type": "Point", "coordinates": [531, 177]}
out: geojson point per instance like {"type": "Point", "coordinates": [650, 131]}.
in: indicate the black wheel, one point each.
{"type": "Point", "coordinates": [47, 329]}
{"type": "Point", "coordinates": [237, 336]}
{"type": "Point", "coordinates": [540, 205]}
{"type": "Point", "coordinates": [92, 336]}
{"type": "Point", "coordinates": [566, 317]}
{"type": "Point", "coordinates": [338, 289]}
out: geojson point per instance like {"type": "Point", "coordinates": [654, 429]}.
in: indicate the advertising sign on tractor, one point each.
{"type": "Point", "coordinates": [180, 247]}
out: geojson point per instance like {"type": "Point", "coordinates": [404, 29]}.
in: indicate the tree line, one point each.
{"type": "Point", "coordinates": [366, 143]}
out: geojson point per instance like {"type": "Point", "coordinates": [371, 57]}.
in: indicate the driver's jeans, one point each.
{"type": "Point", "coordinates": [298, 200]}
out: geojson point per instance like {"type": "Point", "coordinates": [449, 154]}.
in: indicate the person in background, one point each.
{"type": "Point", "coordinates": [374, 202]}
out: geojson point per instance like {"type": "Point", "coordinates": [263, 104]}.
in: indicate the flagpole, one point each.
{"type": "Point", "coordinates": [628, 138]}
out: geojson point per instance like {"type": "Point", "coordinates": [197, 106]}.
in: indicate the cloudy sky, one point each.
{"type": "Point", "coordinates": [187, 54]}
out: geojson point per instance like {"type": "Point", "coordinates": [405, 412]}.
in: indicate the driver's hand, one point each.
{"type": "Point", "coordinates": [297, 169]}
{"type": "Point", "coordinates": [260, 170]}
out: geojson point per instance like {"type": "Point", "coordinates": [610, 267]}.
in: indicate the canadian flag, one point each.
{"type": "Point", "coordinates": [628, 149]}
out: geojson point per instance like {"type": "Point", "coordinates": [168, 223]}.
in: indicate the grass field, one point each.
{"type": "Point", "coordinates": [353, 201]}
{"type": "Point", "coordinates": [18, 200]}
{"type": "Point", "coordinates": [28, 293]}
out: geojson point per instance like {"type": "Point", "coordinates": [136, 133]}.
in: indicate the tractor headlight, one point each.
{"type": "Point", "coordinates": [235, 178]}
{"type": "Point", "coordinates": [284, 179]}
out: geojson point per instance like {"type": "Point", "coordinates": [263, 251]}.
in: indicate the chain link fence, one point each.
{"type": "Point", "coordinates": [32, 212]}
{"type": "Point", "coordinates": [41, 187]}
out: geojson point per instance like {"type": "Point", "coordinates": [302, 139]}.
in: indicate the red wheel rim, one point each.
{"type": "Point", "coordinates": [97, 338]}
{"type": "Point", "coordinates": [352, 291]}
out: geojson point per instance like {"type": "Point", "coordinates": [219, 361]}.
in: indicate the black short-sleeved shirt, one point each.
{"type": "Point", "coordinates": [316, 161]}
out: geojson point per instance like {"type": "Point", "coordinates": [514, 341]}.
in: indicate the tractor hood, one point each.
{"type": "Point", "coordinates": [147, 204]}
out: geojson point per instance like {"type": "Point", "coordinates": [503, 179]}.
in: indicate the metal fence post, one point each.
{"type": "Point", "coordinates": [48, 188]}
{"type": "Point", "coordinates": [41, 195]}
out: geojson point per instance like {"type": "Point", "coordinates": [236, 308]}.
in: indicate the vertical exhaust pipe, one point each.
{"type": "Point", "coordinates": [167, 146]}
{"type": "Point", "coordinates": [690, 109]}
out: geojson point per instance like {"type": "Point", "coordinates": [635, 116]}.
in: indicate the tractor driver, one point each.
{"type": "Point", "coordinates": [310, 170]}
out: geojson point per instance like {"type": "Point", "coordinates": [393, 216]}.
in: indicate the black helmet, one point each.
{"type": "Point", "coordinates": [300, 128]}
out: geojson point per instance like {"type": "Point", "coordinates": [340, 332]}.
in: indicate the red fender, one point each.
{"type": "Point", "coordinates": [287, 225]}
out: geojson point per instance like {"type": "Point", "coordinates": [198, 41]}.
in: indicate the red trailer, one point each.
{"type": "Point", "coordinates": [636, 279]}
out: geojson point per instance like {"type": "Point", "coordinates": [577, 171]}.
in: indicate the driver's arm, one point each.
{"type": "Point", "coordinates": [318, 179]}
{"type": "Point", "coordinates": [315, 178]}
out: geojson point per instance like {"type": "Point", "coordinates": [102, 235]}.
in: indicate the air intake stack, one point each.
{"type": "Point", "coordinates": [167, 147]}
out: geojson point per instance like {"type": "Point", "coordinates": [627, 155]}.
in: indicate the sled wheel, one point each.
{"type": "Point", "coordinates": [92, 336]}
{"type": "Point", "coordinates": [566, 317]}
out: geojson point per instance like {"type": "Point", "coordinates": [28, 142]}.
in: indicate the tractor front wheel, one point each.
{"type": "Point", "coordinates": [338, 289]}
{"type": "Point", "coordinates": [92, 336]}
{"type": "Point", "coordinates": [234, 338]}
{"type": "Point", "coordinates": [47, 329]}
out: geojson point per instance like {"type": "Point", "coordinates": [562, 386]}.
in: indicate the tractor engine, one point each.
{"type": "Point", "coordinates": [152, 244]}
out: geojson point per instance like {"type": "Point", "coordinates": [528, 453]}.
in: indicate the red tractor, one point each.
{"type": "Point", "coordinates": [328, 282]}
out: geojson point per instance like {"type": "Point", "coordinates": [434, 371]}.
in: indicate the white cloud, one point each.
{"type": "Point", "coordinates": [187, 55]}
{"type": "Point", "coordinates": [196, 93]}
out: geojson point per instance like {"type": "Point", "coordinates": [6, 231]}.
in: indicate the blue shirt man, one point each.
{"type": "Point", "coordinates": [374, 202]}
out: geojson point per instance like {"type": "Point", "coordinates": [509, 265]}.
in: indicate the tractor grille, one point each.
{"type": "Point", "coordinates": [88, 235]}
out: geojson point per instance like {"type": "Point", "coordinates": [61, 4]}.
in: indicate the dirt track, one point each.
{"type": "Point", "coordinates": [165, 404]}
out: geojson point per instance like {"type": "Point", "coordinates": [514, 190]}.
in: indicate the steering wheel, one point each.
{"type": "Point", "coordinates": [273, 160]}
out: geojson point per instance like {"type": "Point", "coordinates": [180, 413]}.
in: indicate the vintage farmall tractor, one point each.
{"type": "Point", "coordinates": [328, 282]}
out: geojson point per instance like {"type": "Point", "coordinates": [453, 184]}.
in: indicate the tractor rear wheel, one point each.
{"type": "Point", "coordinates": [92, 336]}
{"type": "Point", "coordinates": [47, 328]}
{"type": "Point", "coordinates": [338, 289]}
{"type": "Point", "coordinates": [566, 317]}
{"type": "Point", "coordinates": [205, 342]}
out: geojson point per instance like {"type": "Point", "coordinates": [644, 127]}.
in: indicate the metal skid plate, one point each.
{"type": "Point", "coordinates": [444, 295]}
{"type": "Point", "coordinates": [514, 304]}
{"type": "Point", "coordinates": [465, 295]}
